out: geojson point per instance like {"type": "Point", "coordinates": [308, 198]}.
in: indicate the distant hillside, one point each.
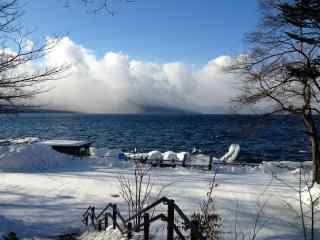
{"type": "Point", "coordinates": [34, 110]}
{"type": "Point", "coordinates": [164, 110]}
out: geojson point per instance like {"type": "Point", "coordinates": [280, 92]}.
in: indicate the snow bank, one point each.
{"type": "Point", "coordinates": [284, 167]}
{"type": "Point", "coordinates": [201, 159]}
{"type": "Point", "coordinates": [32, 157]}
{"type": "Point", "coordinates": [109, 158]}
{"type": "Point", "coordinates": [109, 234]}
{"type": "Point", "coordinates": [41, 157]}
{"type": "Point", "coordinates": [312, 195]}
{"type": "Point", "coordinates": [27, 140]}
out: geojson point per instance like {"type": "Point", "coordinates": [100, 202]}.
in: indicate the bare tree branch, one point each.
{"type": "Point", "coordinates": [281, 71]}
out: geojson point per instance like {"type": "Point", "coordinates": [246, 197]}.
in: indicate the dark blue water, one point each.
{"type": "Point", "coordinates": [277, 138]}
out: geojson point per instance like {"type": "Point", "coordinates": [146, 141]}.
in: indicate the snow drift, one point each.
{"type": "Point", "coordinates": [312, 195]}
{"type": "Point", "coordinates": [32, 157]}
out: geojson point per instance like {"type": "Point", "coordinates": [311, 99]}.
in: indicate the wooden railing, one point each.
{"type": "Point", "coordinates": [111, 211]}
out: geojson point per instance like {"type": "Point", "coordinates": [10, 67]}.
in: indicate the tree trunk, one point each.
{"type": "Point", "coordinates": [315, 160]}
{"type": "Point", "coordinates": [315, 152]}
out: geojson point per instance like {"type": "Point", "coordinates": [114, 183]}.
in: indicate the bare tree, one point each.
{"type": "Point", "coordinates": [17, 81]}
{"type": "Point", "coordinates": [20, 69]}
{"type": "Point", "coordinates": [281, 71]}
{"type": "Point", "coordinates": [209, 220]}
{"type": "Point", "coordinates": [137, 191]}
{"type": "Point", "coordinates": [307, 213]}
{"type": "Point", "coordinates": [95, 6]}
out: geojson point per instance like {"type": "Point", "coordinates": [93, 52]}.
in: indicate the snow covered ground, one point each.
{"type": "Point", "coordinates": [49, 201]}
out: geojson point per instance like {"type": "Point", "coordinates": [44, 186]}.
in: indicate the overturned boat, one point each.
{"type": "Point", "coordinates": [71, 147]}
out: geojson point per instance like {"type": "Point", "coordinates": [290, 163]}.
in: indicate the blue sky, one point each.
{"type": "Point", "coordinates": [158, 53]}
{"type": "Point", "coordinates": [189, 31]}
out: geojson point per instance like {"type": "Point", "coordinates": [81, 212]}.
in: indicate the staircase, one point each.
{"type": "Point", "coordinates": [110, 215]}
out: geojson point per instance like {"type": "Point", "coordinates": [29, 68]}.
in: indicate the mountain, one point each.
{"type": "Point", "coordinates": [146, 109]}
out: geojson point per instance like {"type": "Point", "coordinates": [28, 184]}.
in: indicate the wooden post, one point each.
{"type": "Point", "coordinates": [99, 225]}
{"type": "Point", "coordinates": [114, 216]}
{"type": "Point", "coordinates": [184, 160]}
{"type": "Point", "coordinates": [194, 230]}
{"type": "Point", "coordinates": [210, 163]}
{"type": "Point", "coordinates": [146, 225]}
{"type": "Point", "coordinates": [170, 226]}
{"type": "Point", "coordinates": [106, 221]}
{"type": "Point", "coordinates": [138, 221]}
{"type": "Point", "coordinates": [174, 164]}
{"type": "Point", "coordinates": [106, 218]}
{"type": "Point", "coordinates": [93, 217]}
{"type": "Point", "coordinates": [87, 220]}
{"type": "Point", "coordinates": [129, 235]}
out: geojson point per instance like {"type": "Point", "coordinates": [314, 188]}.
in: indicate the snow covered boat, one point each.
{"type": "Point", "coordinates": [232, 153]}
{"type": "Point", "coordinates": [186, 159]}
{"type": "Point", "coordinates": [71, 147]}
{"type": "Point", "coordinates": [4, 142]}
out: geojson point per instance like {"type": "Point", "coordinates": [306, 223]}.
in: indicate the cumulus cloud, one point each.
{"type": "Point", "coordinates": [116, 83]}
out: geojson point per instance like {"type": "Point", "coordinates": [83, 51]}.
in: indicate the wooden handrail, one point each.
{"type": "Point", "coordinates": [126, 226]}
{"type": "Point", "coordinates": [152, 205]}
{"type": "Point", "coordinates": [104, 210]}
{"type": "Point", "coordinates": [87, 211]}
{"type": "Point", "coordinates": [160, 216]}
{"type": "Point", "coordinates": [183, 216]}
{"type": "Point", "coordinates": [121, 217]}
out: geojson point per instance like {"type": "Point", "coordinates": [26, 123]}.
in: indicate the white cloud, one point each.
{"type": "Point", "coordinates": [118, 84]}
